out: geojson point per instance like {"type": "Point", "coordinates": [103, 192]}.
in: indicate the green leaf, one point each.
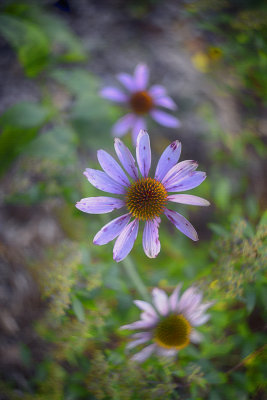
{"type": "Point", "coordinates": [77, 81]}
{"type": "Point", "coordinates": [20, 125]}
{"type": "Point", "coordinates": [263, 220]}
{"type": "Point", "coordinates": [250, 299]}
{"type": "Point", "coordinates": [24, 115]}
{"type": "Point", "coordinates": [63, 42]}
{"type": "Point", "coordinates": [78, 308]}
{"type": "Point", "coordinates": [218, 229]}
{"type": "Point", "coordinates": [29, 41]}
{"type": "Point", "coordinates": [57, 144]}
{"type": "Point", "coordinates": [222, 193]}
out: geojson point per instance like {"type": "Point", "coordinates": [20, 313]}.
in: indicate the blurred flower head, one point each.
{"type": "Point", "coordinates": [141, 102]}
{"type": "Point", "coordinates": [169, 323]}
{"type": "Point", "coordinates": [143, 197]}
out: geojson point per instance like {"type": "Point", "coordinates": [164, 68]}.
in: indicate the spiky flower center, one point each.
{"type": "Point", "coordinates": [146, 198]}
{"type": "Point", "coordinates": [141, 102]}
{"type": "Point", "coordinates": [173, 332]}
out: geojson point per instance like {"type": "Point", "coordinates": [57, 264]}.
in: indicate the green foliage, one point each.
{"type": "Point", "coordinates": [57, 279]}
{"type": "Point", "coordinates": [240, 258]}
{"type": "Point", "coordinates": [20, 125]}
{"type": "Point", "coordinates": [86, 295]}
{"type": "Point", "coordinates": [127, 381]}
{"type": "Point", "coordinates": [239, 32]}
{"type": "Point", "coordinates": [39, 38]}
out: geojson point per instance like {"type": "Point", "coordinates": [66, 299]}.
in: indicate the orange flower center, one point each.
{"type": "Point", "coordinates": [141, 102]}
{"type": "Point", "coordinates": [146, 198]}
{"type": "Point", "coordinates": [173, 332]}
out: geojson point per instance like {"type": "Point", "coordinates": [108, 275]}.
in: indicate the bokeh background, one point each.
{"type": "Point", "coordinates": [62, 299]}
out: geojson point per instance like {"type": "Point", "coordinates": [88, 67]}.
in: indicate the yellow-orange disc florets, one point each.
{"type": "Point", "coordinates": [141, 102]}
{"type": "Point", "coordinates": [146, 198]}
{"type": "Point", "coordinates": [173, 332]}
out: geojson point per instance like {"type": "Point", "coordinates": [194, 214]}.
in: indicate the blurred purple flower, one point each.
{"type": "Point", "coordinates": [145, 198]}
{"type": "Point", "coordinates": [169, 323]}
{"type": "Point", "coordinates": [141, 101]}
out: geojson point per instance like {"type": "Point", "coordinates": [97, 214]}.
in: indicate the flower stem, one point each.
{"type": "Point", "coordinates": [247, 359]}
{"type": "Point", "coordinates": [135, 278]}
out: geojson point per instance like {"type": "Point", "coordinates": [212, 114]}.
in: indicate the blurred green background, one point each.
{"type": "Point", "coordinates": [62, 299]}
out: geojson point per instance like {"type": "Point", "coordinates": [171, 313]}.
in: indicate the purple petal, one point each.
{"type": "Point", "coordinates": [195, 337]}
{"type": "Point", "coordinates": [181, 223]}
{"type": "Point", "coordinates": [149, 317]}
{"type": "Point", "coordinates": [126, 158]}
{"type": "Point", "coordinates": [102, 181]}
{"type": "Point", "coordinates": [139, 335]}
{"type": "Point", "coordinates": [151, 243]}
{"type": "Point", "coordinates": [165, 119]}
{"type": "Point", "coordinates": [145, 306]}
{"type": "Point", "coordinates": [168, 159]}
{"type": "Point", "coordinates": [127, 81]}
{"type": "Point", "coordinates": [141, 324]}
{"type": "Point", "coordinates": [166, 102]}
{"type": "Point", "coordinates": [114, 94]}
{"type": "Point", "coordinates": [144, 354]}
{"type": "Point", "coordinates": [166, 352]}
{"type": "Point", "coordinates": [99, 205]}
{"type": "Point", "coordinates": [188, 199]}
{"type": "Point", "coordinates": [145, 337]}
{"type": "Point", "coordinates": [178, 172]}
{"type": "Point", "coordinates": [160, 300]}
{"type": "Point", "coordinates": [194, 315]}
{"type": "Point", "coordinates": [191, 181]}
{"type": "Point", "coordinates": [111, 230]}
{"type": "Point", "coordinates": [199, 320]}
{"type": "Point", "coordinates": [157, 91]}
{"type": "Point", "coordinates": [189, 301]}
{"type": "Point", "coordinates": [174, 297]}
{"type": "Point", "coordinates": [138, 125]}
{"type": "Point", "coordinates": [125, 241]}
{"type": "Point", "coordinates": [143, 153]}
{"type": "Point", "coordinates": [112, 168]}
{"type": "Point", "coordinates": [123, 125]}
{"type": "Point", "coordinates": [141, 76]}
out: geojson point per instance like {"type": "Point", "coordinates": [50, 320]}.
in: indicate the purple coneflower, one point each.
{"type": "Point", "coordinates": [144, 198]}
{"type": "Point", "coordinates": [169, 324]}
{"type": "Point", "coordinates": [141, 102]}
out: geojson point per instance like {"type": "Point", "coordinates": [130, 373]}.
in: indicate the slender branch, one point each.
{"type": "Point", "coordinates": [135, 278]}
{"type": "Point", "coordinates": [246, 359]}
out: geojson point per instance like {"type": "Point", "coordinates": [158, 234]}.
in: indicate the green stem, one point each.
{"type": "Point", "coordinates": [135, 278]}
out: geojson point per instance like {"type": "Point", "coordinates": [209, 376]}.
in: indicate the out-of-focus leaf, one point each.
{"type": "Point", "coordinates": [91, 116]}
{"type": "Point", "coordinates": [29, 41]}
{"type": "Point", "coordinates": [78, 308]}
{"type": "Point", "coordinates": [57, 144]}
{"type": "Point", "coordinates": [24, 115]}
{"type": "Point", "coordinates": [77, 81]}
{"type": "Point", "coordinates": [19, 125]}
{"type": "Point", "coordinates": [222, 193]}
{"type": "Point", "coordinates": [39, 38]}
{"type": "Point", "coordinates": [250, 299]}
{"type": "Point", "coordinates": [263, 220]}
{"type": "Point", "coordinates": [64, 43]}
{"type": "Point", "coordinates": [218, 229]}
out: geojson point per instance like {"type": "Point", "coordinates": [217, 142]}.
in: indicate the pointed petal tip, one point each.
{"type": "Point", "coordinates": [141, 133]}
{"type": "Point", "coordinates": [117, 259]}
{"type": "Point", "coordinates": [152, 256]}
{"type": "Point", "coordinates": [175, 144]}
